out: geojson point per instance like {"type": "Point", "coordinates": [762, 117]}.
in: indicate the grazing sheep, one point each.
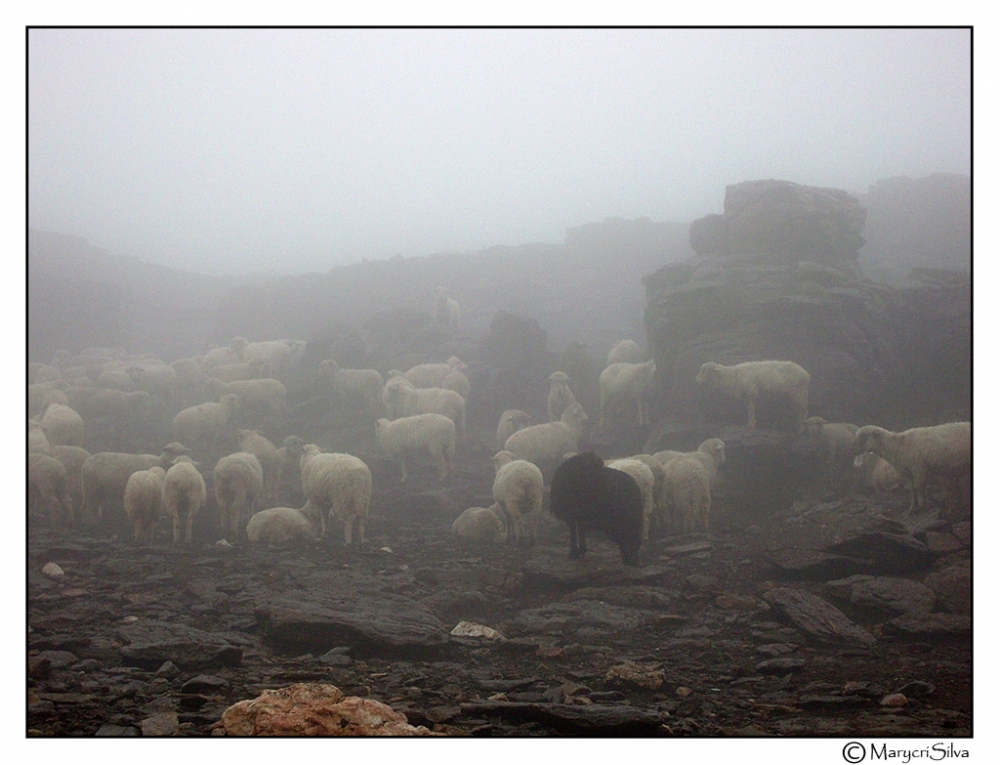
{"type": "Point", "coordinates": [919, 454]}
{"type": "Point", "coordinates": [834, 444]}
{"type": "Point", "coordinates": [624, 351]}
{"type": "Point", "coordinates": [457, 381]}
{"type": "Point", "coordinates": [747, 381]}
{"type": "Point", "coordinates": [269, 458]}
{"type": "Point", "coordinates": [877, 474]}
{"type": "Point", "coordinates": [406, 436]}
{"type": "Point", "coordinates": [550, 440]}
{"type": "Point", "coordinates": [518, 489]}
{"type": "Point", "coordinates": [105, 474]}
{"type": "Point", "coordinates": [47, 490]}
{"type": "Point", "coordinates": [38, 443]}
{"type": "Point", "coordinates": [339, 485]}
{"type": "Point", "coordinates": [183, 496]}
{"type": "Point", "coordinates": [480, 524]}
{"type": "Point", "coordinates": [266, 396]}
{"type": "Point", "coordinates": [587, 495]}
{"type": "Point", "coordinates": [625, 380]}
{"type": "Point", "coordinates": [644, 477]}
{"type": "Point", "coordinates": [72, 458]}
{"type": "Point", "coordinates": [687, 486]}
{"type": "Point", "coordinates": [62, 425]}
{"type": "Point", "coordinates": [446, 308]}
{"type": "Point", "coordinates": [285, 526]}
{"type": "Point", "coordinates": [144, 502]}
{"type": "Point", "coordinates": [275, 355]}
{"type": "Point", "coordinates": [431, 375]}
{"type": "Point", "coordinates": [354, 385]}
{"type": "Point", "coordinates": [560, 396]}
{"type": "Point", "coordinates": [204, 424]}
{"type": "Point", "coordinates": [436, 401]}
{"type": "Point", "coordinates": [239, 491]}
{"type": "Point", "coordinates": [511, 421]}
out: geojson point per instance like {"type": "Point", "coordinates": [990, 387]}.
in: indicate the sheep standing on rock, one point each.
{"type": "Point", "coordinates": [747, 381]}
{"type": "Point", "coordinates": [624, 351]}
{"type": "Point", "coordinates": [285, 526]}
{"type": "Point", "coordinates": [144, 502]}
{"type": "Point", "coordinates": [339, 485]}
{"type": "Point", "coordinates": [480, 524]}
{"type": "Point", "coordinates": [587, 495]}
{"type": "Point", "coordinates": [47, 490]}
{"type": "Point", "coordinates": [446, 308]}
{"type": "Point", "coordinates": [644, 477]}
{"type": "Point", "coordinates": [560, 396]}
{"type": "Point", "coordinates": [625, 380]}
{"type": "Point", "coordinates": [62, 425]}
{"type": "Point", "coordinates": [518, 490]}
{"type": "Point", "coordinates": [919, 454]}
{"type": "Point", "coordinates": [353, 386]}
{"type": "Point", "coordinates": [511, 421]}
{"type": "Point", "coordinates": [239, 491]}
{"type": "Point", "coordinates": [184, 494]}
{"type": "Point", "coordinates": [550, 440]}
{"type": "Point", "coordinates": [407, 436]}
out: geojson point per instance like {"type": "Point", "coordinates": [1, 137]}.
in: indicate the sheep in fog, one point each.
{"type": "Point", "coordinates": [285, 526]}
{"type": "Point", "coordinates": [289, 456]}
{"type": "Point", "coordinates": [239, 491]}
{"type": "Point", "coordinates": [480, 524]}
{"type": "Point", "coordinates": [37, 395]}
{"type": "Point", "coordinates": [55, 396]}
{"type": "Point", "coordinates": [919, 454]}
{"type": "Point", "coordinates": [38, 443]}
{"type": "Point", "coordinates": [273, 354]}
{"type": "Point", "coordinates": [42, 373]}
{"type": "Point", "coordinates": [560, 396]}
{"type": "Point", "coordinates": [625, 380]}
{"type": "Point", "coordinates": [550, 440]}
{"type": "Point", "coordinates": [155, 377]}
{"type": "Point", "coordinates": [240, 370]}
{"type": "Point", "coordinates": [644, 477]}
{"type": "Point", "coordinates": [436, 401]}
{"type": "Point", "coordinates": [586, 494]}
{"type": "Point", "coordinates": [190, 377]}
{"type": "Point", "coordinates": [47, 489]}
{"type": "Point", "coordinates": [269, 458]}
{"type": "Point", "coordinates": [511, 421]}
{"type": "Point", "coordinates": [518, 489]}
{"type": "Point", "coordinates": [457, 381]}
{"type": "Point", "coordinates": [624, 351]}
{"type": "Point", "coordinates": [105, 474]}
{"type": "Point", "coordinates": [217, 355]}
{"type": "Point", "coordinates": [204, 424]}
{"type": "Point", "coordinates": [265, 396]}
{"type": "Point", "coordinates": [687, 485]}
{"type": "Point", "coordinates": [877, 474]}
{"type": "Point", "coordinates": [394, 393]}
{"type": "Point", "coordinates": [834, 444]}
{"type": "Point", "coordinates": [659, 517]}
{"type": "Point", "coordinates": [72, 458]}
{"type": "Point", "coordinates": [354, 385]}
{"type": "Point", "coordinates": [432, 375]}
{"type": "Point", "coordinates": [434, 433]}
{"type": "Point", "coordinates": [108, 402]}
{"type": "Point", "coordinates": [747, 381]}
{"type": "Point", "coordinates": [143, 502]}
{"type": "Point", "coordinates": [115, 379]}
{"type": "Point", "coordinates": [62, 425]}
{"type": "Point", "coordinates": [339, 485]}
{"type": "Point", "coordinates": [711, 452]}
{"type": "Point", "coordinates": [183, 496]}
{"type": "Point", "coordinates": [446, 308]}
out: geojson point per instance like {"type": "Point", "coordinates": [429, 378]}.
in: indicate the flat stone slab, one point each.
{"type": "Point", "coordinates": [148, 644]}
{"type": "Point", "coordinates": [594, 720]}
{"type": "Point", "coordinates": [886, 553]}
{"type": "Point", "coordinates": [601, 566]}
{"type": "Point", "coordinates": [817, 618]}
{"type": "Point", "coordinates": [577, 616]}
{"type": "Point", "coordinates": [930, 625]}
{"type": "Point", "coordinates": [901, 596]}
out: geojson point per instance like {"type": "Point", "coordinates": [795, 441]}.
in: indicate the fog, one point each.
{"type": "Point", "coordinates": [287, 151]}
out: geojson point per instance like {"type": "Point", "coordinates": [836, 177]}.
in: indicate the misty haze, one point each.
{"type": "Point", "coordinates": [518, 382]}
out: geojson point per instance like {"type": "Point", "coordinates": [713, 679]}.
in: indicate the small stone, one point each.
{"type": "Point", "coordinates": [894, 700]}
{"type": "Point", "coordinates": [53, 570]}
{"type": "Point", "coordinates": [917, 688]}
{"type": "Point", "coordinates": [168, 670]}
{"type": "Point", "coordinates": [386, 550]}
{"type": "Point", "coordinates": [780, 665]}
{"type": "Point", "coordinates": [130, 620]}
{"type": "Point", "coordinates": [472, 629]}
{"type": "Point", "coordinates": [162, 724]}
{"type": "Point", "coordinates": [683, 691]}
{"type": "Point", "coordinates": [222, 543]}
{"type": "Point", "coordinates": [116, 730]}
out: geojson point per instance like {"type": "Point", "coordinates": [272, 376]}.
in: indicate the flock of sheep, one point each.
{"type": "Point", "coordinates": [415, 414]}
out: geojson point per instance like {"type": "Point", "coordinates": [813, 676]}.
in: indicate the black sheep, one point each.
{"type": "Point", "coordinates": [586, 494]}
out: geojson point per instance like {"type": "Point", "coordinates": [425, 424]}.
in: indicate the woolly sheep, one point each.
{"type": "Point", "coordinates": [285, 526]}
{"type": "Point", "coordinates": [240, 370]}
{"type": "Point", "coordinates": [239, 491]}
{"type": "Point", "coordinates": [644, 477]}
{"type": "Point", "coordinates": [457, 381]}
{"type": "Point", "coordinates": [339, 485]}
{"type": "Point", "coordinates": [274, 354]}
{"type": "Point", "coordinates": [560, 396]}
{"type": "Point", "coordinates": [834, 443]}
{"type": "Point", "coordinates": [37, 394]}
{"type": "Point", "coordinates": [183, 496]}
{"type": "Point", "coordinates": [394, 395]}
{"type": "Point", "coordinates": [266, 396]}
{"type": "Point", "coordinates": [518, 489]}
{"type": "Point", "coordinates": [105, 474]}
{"type": "Point", "coordinates": [108, 402]}
{"type": "Point", "coordinates": [550, 440]}
{"type": "Point", "coordinates": [659, 517]}
{"type": "Point", "coordinates": [406, 436]}
{"type": "Point", "coordinates": [204, 423]}
{"type": "Point", "coordinates": [431, 375]}
{"type": "Point", "coordinates": [436, 401]}
{"type": "Point", "coordinates": [625, 380]}
{"type": "Point", "coordinates": [354, 385]}
{"type": "Point", "coordinates": [217, 355]}
{"type": "Point", "coordinates": [269, 458]}
{"type": "Point", "coordinates": [919, 454]}
{"type": "Point", "coordinates": [154, 377]}
{"type": "Point", "coordinates": [446, 308]}
{"type": "Point", "coordinates": [143, 502]}
{"type": "Point", "coordinates": [47, 490]}
{"type": "Point", "coordinates": [38, 443]}
{"type": "Point", "coordinates": [72, 458]}
{"type": "Point", "coordinates": [480, 524]}
{"type": "Point", "coordinates": [290, 454]}
{"type": "Point", "coordinates": [55, 396]}
{"type": "Point", "coordinates": [587, 495]}
{"type": "Point", "coordinates": [43, 373]}
{"type": "Point", "coordinates": [62, 425]}
{"type": "Point", "coordinates": [190, 379]}
{"type": "Point", "coordinates": [687, 485]}
{"type": "Point", "coordinates": [711, 452]}
{"type": "Point", "coordinates": [877, 474]}
{"type": "Point", "coordinates": [747, 381]}
{"type": "Point", "coordinates": [624, 351]}
{"type": "Point", "coordinates": [511, 421]}
{"type": "Point", "coordinates": [115, 379]}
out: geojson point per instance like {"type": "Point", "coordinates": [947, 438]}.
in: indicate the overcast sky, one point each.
{"type": "Point", "coordinates": [227, 151]}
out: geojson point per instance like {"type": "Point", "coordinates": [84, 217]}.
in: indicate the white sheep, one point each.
{"type": "Point", "coordinates": [687, 487]}
{"type": "Point", "coordinates": [290, 455]}
{"type": "Point", "coordinates": [108, 402]}
{"type": "Point", "coordinates": [47, 490]}
{"type": "Point", "coordinates": [38, 393]}
{"type": "Point", "coordinates": [143, 502]}
{"type": "Point", "coordinates": [480, 524]}
{"type": "Point", "coordinates": [643, 476]}
{"type": "Point", "coordinates": [266, 396]}
{"type": "Point", "coordinates": [354, 385]}
{"type": "Point", "coordinates": [72, 458]}
{"type": "Point", "coordinates": [550, 440]}
{"type": "Point", "coordinates": [834, 444]}
{"type": "Point", "coordinates": [339, 485]}
{"type": "Point", "coordinates": [38, 443]}
{"type": "Point", "coordinates": [747, 381]}
{"type": "Point", "coordinates": [919, 454]}
{"type": "Point", "coordinates": [204, 424]}
{"type": "Point", "coordinates": [155, 377]}
{"type": "Point", "coordinates": [436, 401]}
{"type": "Point", "coordinates": [394, 394]}
{"type": "Point", "coordinates": [660, 509]}
{"type": "Point", "coordinates": [269, 458]}
{"type": "Point", "coordinates": [115, 379]}
{"type": "Point", "coordinates": [711, 452]}
{"type": "Point", "coordinates": [518, 489]}
{"type": "Point", "coordinates": [434, 433]}
{"type": "Point", "coordinates": [105, 474]}
{"type": "Point", "coordinates": [457, 381]}
{"type": "Point", "coordinates": [190, 377]}
{"type": "Point", "coordinates": [624, 351]}
{"type": "Point", "coordinates": [183, 496]}
{"type": "Point", "coordinates": [62, 425]}
{"type": "Point", "coordinates": [42, 373]}
{"type": "Point", "coordinates": [217, 355]}
{"type": "Point", "coordinates": [241, 370]}
{"type": "Point", "coordinates": [877, 474]}
{"type": "Point", "coordinates": [446, 308]}
{"type": "Point", "coordinates": [431, 375]}
{"type": "Point", "coordinates": [511, 421]}
{"type": "Point", "coordinates": [274, 354]}
{"type": "Point", "coordinates": [285, 526]}
{"type": "Point", "coordinates": [625, 380]}
{"type": "Point", "coordinates": [239, 491]}
{"type": "Point", "coordinates": [560, 395]}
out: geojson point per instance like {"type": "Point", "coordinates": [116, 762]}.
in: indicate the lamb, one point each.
{"type": "Point", "coordinates": [919, 454]}
{"type": "Point", "coordinates": [47, 490]}
{"type": "Point", "coordinates": [877, 474]}
{"type": "Point", "coordinates": [518, 490]}
{"type": "Point", "coordinates": [550, 440]}
{"type": "Point", "coordinates": [446, 308]}
{"type": "Point", "coordinates": [268, 457]}
{"type": "Point", "coordinates": [511, 421]}
{"type": "Point", "coordinates": [434, 433]}
{"type": "Point", "coordinates": [239, 491]}
{"type": "Point", "coordinates": [480, 524]}
{"type": "Point", "coordinates": [144, 502]}
{"type": "Point", "coordinates": [105, 474]}
{"type": "Point", "coordinates": [625, 380]}
{"type": "Point", "coordinates": [285, 526]}
{"type": "Point", "coordinates": [560, 396]}
{"type": "Point", "coordinates": [624, 351]}
{"type": "Point", "coordinates": [339, 485]}
{"type": "Point", "coordinates": [204, 423]}
{"type": "Point", "coordinates": [834, 444]}
{"type": "Point", "coordinates": [266, 396]}
{"type": "Point", "coordinates": [183, 496]}
{"type": "Point", "coordinates": [747, 381]}
{"type": "Point", "coordinates": [38, 443]}
{"type": "Point", "coordinates": [431, 375]}
{"type": "Point", "coordinates": [354, 385]}
{"type": "Point", "coordinates": [62, 425]}
{"type": "Point", "coordinates": [587, 495]}
{"type": "Point", "coordinates": [72, 458]}
{"type": "Point", "coordinates": [457, 381]}
{"type": "Point", "coordinates": [644, 477]}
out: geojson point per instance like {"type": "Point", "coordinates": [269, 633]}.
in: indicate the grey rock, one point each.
{"type": "Point", "coordinates": [780, 666]}
{"type": "Point", "coordinates": [117, 730]}
{"type": "Point", "coordinates": [895, 594]}
{"type": "Point", "coordinates": [953, 586]}
{"type": "Point", "coordinates": [204, 684]}
{"type": "Point", "coordinates": [162, 724]}
{"type": "Point", "coordinates": [597, 719]}
{"type": "Point", "coordinates": [928, 625]}
{"type": "Point", "coordinates": [150, 644]}
{"type": "Point", "coordinates": [817, 618]}
{"type": "Point", "coordinates": [886, 553]}
{"type": "Point", "coordinates": [573, 617]}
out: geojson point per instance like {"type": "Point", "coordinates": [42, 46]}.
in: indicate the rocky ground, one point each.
{"type": "Point", "coordinates": [832, 617]}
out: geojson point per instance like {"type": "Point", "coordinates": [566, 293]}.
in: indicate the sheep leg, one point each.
{"type": "Point", "coordinates": [402, 462]}
{"type": "Point", "coordinates": [751, 412]}
{"type": "Point", "coordinates": [187, 528]}
{"type": "Point", "coordinates": [361, 531]}
{"type": "Point", "coordinates": [348, 529]}
{"type": "Point", "coordinates": [177, 530]}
